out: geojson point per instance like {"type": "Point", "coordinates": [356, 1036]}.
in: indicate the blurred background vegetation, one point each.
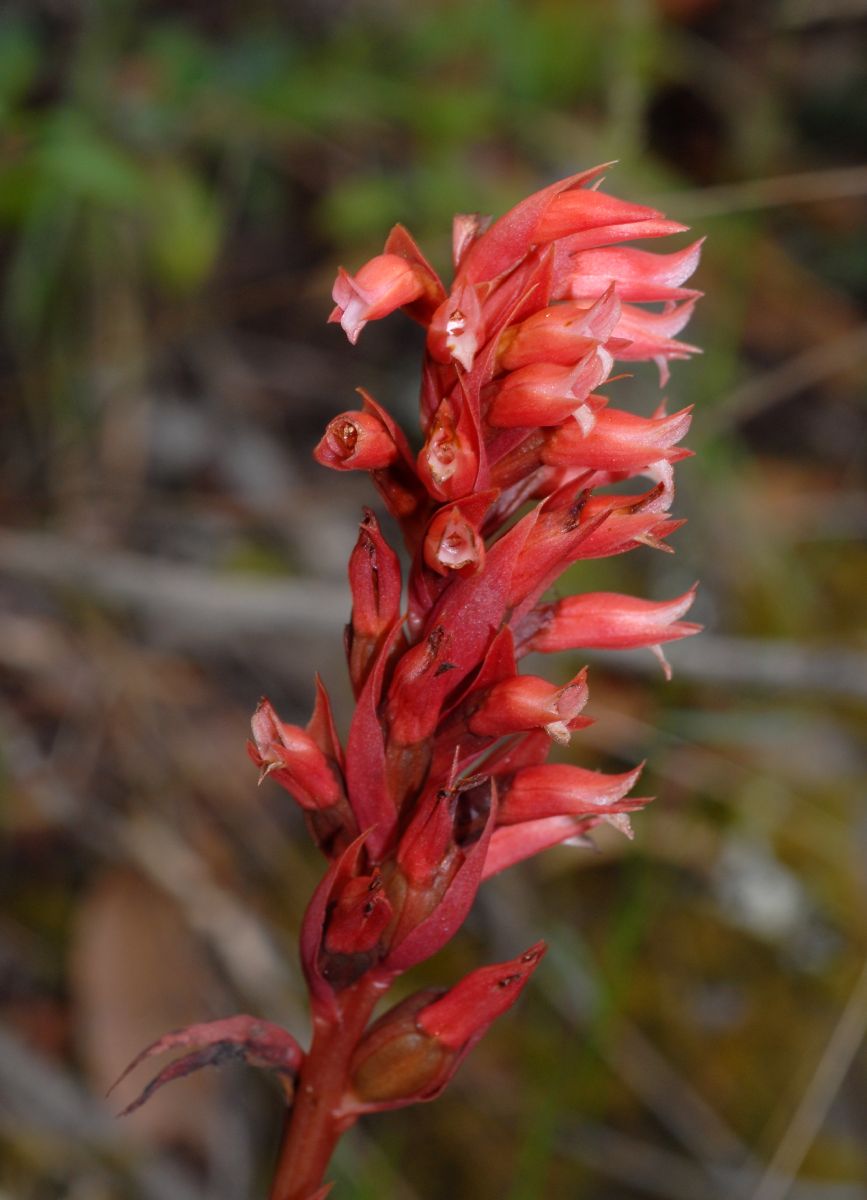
{"type": "Point", "coordinates": [179, 182]}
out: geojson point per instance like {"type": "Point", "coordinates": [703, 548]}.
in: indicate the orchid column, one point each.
{"type": "Point", "coordinates": [443, 780]}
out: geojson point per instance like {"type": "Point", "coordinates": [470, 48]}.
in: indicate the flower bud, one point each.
{"type": "Point", "coordinates": [547, 394]}
{"type": "Point", "coordinates": [427, 849]}
{"type": "Point", "coordinates": [453, 543]}
{"type": "Point", "coordinates": [448, 462]}
{"type": "Point", "coordinates": [412, 1051]}
{"type": "Point", "coordinates": [356, 441]}
{"type": "Point", "coordinates": [292, 757]}
{"type": "Point", "coordinates": [529, 702]}
{"type": "Point", "coordinates": [562, 333]}
{"type": "Point", "coordinates": [396, 1062]}
{"type": "Point", "coordinates": [435, 879]}
{"type": "Point", "coordinates": [387, 282]}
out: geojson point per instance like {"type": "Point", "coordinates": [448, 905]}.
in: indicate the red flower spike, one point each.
{"type": "Point", "coordinates": [463, 1015]}
{"type": "Point", "coordinates": [609, 621]}
{"type": "Point", "coordinates": [558, 789]}
{"type": "Point", "coordinates": [356, 441]}
{"type": "Point", "coordinates": [257, 1042]}
{"type": "Point", "coordinates": [527, 702]}
{"type": "Point", "coordinates": [505, 494]}
{"type": "Point", "coordinates": [387, 282]}
{"type": "Point", "coordinates": [292, 757]}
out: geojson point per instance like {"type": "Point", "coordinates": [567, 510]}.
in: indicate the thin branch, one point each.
{"type": "Point", "coordinates": [776, 664]}
{"type": "Point", "coordinates": [240, 941]}
{"type": "Point", "coordinates": [779, 191]}
{"type": "Point", "coordinates": [199, 608]}
{"type": "Point", "coordinates": [656, 1172]}
{"type": "Point", "coordinates": [795, 375]}
{"type": "Point", "coordinates": [670, 1097]}
{"type": "Point", "coordinates": [202, 604]}
{"type": "Point", "coordinates": [819, 1095]}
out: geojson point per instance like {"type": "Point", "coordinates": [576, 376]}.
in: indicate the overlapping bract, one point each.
{"type": "Point", "coordinates": [444, 781]}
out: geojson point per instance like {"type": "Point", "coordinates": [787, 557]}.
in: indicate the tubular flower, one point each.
{"type": "Point", "coordinates": [444, 782]}
{"type": "Point", "coordinates": [608, 621]}
{"type": "Point", "coordinates": [528, 702]}
{"type": "Point", "coordinates": [382, 285]}
{"type": "Point", "coordinates": [356, 441]}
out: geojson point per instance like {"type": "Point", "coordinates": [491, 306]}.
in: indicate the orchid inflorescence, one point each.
{"type": "Point", "coordinates": [443, 780]}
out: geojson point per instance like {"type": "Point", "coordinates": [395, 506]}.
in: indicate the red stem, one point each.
{"type": "Point", "coordinates": [314, 1124]}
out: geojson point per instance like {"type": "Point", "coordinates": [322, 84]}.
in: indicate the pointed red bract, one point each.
{"type": "Point", "coordinates": [375, 580]}
{"type": "Point", "coordinates": [464, 1013]}
{"type": "Point", "coordinates": [257, 1042]}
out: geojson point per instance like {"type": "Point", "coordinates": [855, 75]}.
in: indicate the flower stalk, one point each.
{"type": "Point", "coordinates": [443, 779]}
